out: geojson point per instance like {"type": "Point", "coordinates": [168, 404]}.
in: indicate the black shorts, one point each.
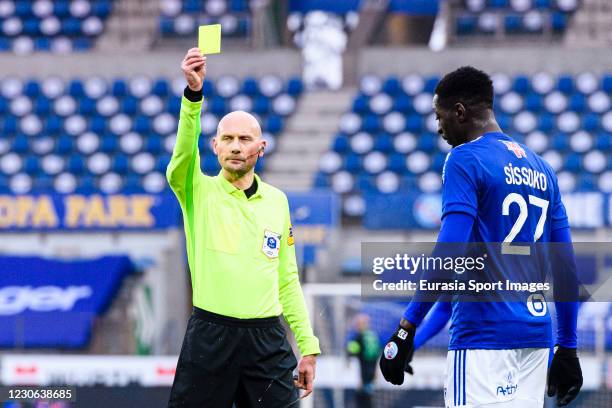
{"type": "Point", "coordinates": [225, 361]}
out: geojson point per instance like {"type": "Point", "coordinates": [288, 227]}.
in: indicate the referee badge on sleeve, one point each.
{"type": "Point", "coordinates": [271, 244]}
{"type": "Point", "coordinates": [290, 240]}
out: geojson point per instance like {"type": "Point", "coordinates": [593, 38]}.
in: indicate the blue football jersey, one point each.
{"type": "Point", "coordinates": [512, 194]}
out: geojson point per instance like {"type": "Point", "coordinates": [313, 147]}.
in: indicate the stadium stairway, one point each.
{"type": "Point", "coordinates": [592, 25]}
{"type": "Point", "coordinates": [131, 27]}
{"type": "Point", "coordinates": [307, 136]}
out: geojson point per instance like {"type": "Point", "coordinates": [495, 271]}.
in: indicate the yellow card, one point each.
{"type": "Point", "coordinates": [209, 39]}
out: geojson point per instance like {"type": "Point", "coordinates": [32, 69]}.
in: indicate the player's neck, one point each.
{"type": "Point", "coordinates": [488, 127]}
{"type": "Point", "coordinates": [241, 182]}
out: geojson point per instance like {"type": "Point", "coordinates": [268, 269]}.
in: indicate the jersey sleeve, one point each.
{"type": "Point", "coordinates": [566, 287]}
{"type": "Point", "coordinates": [460, 183]}
{"type": "Point", "coordinates": [456, 228]}
{"type": "Point", "coordinates": [290, 292]}
{"type": "Point", "coordinates": [184, 168]}
{"type": "Point", "coordinates": [437, 319]}
{"type": "Point", "coordinates": [183, 172]}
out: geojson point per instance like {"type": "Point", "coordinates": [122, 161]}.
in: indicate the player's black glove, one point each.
{"type": "Point", "coordinates": [407, 366]}
{"type": "Point", "coordinates": [397, 356]}
{"type": "Point", "coordinates": [564, 376]}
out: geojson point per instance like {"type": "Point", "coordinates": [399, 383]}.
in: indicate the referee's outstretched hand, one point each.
{"type": "Point", "coordinates": [194, 68]}
{"type": "Point", "coordinates": [306, 374]}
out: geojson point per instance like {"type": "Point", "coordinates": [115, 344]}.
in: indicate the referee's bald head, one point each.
{"type": "Point", "coordinates": [237, 123]}
{"type": "Point", "coordinates": [238, 143]}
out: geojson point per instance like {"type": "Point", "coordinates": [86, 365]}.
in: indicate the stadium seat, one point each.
{"type": "Point", "coordinates": [352, 163]}
{"type": "Point", "coordinates": [64, 144]}
{"type": "Point", "coordinates": [295, 86]}
{"type": "Point", "coordinates": [341, 143]}
{"type": "Point", "coordinates": [383, 143]}
{"type": "Point", "coordinates": [466, 24]}
{"type": "Point", "coordinates": [20, 144]}
{"type": "Point", "coordinates": [397, 163]}
{"type": "Point", "coordinates": [153, 144]}
{"type": "Point", "coordinates": [559, 21]}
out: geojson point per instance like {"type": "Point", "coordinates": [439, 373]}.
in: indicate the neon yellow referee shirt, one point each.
{"type": "Point", "coordinates": [240, 250]}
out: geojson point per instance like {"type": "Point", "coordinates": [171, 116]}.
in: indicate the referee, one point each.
{"type": "Point", "coordinates": [243, 269]}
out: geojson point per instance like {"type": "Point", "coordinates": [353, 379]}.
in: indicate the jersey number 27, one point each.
{"type": "Point", "coordinates": [514, 198]}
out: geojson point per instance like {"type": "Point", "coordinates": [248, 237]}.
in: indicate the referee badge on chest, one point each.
{"type": "Point", "coordinates": [271, 244]}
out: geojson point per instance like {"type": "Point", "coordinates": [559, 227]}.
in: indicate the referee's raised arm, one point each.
{"type": "Point", "coordinates": [185, 162]}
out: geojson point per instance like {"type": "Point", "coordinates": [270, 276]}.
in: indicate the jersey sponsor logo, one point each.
{"type": "Point", "coordinates": [510, 387]}
{"type": "Point", "coordinates": [515, 148]}
{"type": "Point", "coordinates": [271, 244]}
{"type": "Point", "coordinates": [536, 304]}
{"type": "Point", "coordinates": [390, 350]}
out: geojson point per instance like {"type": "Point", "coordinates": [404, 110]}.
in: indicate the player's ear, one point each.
{"type": "Point", "coordinates": [262, 148]}
{"type": "Point", "coordinates": [213, 143]}
{"type": "Point", "coordinates": [460, 112]}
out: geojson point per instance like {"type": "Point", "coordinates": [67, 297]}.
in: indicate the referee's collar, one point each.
{"type": "Point", "coordinates": [230, 188]}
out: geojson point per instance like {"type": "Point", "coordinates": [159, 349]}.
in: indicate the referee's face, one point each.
{"type": "Point", "coordinates": [238, 142]}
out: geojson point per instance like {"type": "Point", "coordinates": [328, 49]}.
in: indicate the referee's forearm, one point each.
{"type": "Point", "coordinates": [185, 154]}
{"type": "Point", "coordinates": [296, 314]}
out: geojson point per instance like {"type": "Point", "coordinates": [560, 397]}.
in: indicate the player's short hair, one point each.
{"type": "Point", "coordinates": [467, 85]}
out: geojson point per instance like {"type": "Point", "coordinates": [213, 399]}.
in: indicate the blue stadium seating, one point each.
{"type": "Point", "coordinates": [181, 18]}
{"type": "Point", "coordinates": [563, 118]}
{"type": "Point", "coordinates": [58, 26]}
{"type": "Point", "coordinates": [484, 17]}
{"type": "Point", "coordinates": [92, 129]}
{"type": "Point", "coordinates": [415, 7]}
